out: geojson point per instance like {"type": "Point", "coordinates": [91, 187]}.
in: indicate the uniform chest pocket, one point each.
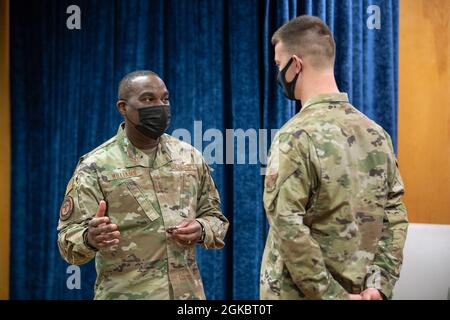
{"type": "Point", "coordinates": [127, 205]}
{"type": "Point", "coordinates": [189, 193]}
{"type": "Point", "coordinates": [143, 200]}
{"type": "Point", "coordinates": [177, 191]}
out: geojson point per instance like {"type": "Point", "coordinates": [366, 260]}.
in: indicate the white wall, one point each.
{"type": "Point", "coordinates": [426, 265]}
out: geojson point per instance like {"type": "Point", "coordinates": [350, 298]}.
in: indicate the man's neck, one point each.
{"type": "Point", "coordinates": [139, 140]}
{"type": "Point", "coordinates": [317, 84]}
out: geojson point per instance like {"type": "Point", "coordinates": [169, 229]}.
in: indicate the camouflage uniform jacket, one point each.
{"type": "Point", "coordinates": [143, 198]}
{"type": "Point", "coordinates": [332, 195]}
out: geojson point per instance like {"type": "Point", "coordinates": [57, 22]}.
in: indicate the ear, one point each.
{"type": "Point", "coordinates": [121, 107]}
{"type": "Point", "coordinates": [298, 63]}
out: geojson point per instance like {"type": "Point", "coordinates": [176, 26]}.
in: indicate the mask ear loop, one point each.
{"type": "Point", "coordinates": [295, 78]}
{"type": "Point", "coordinates": [125, 115]}
{"type": "Point", "coordinates": [134, 124]}
{"type": "Point", "coordinates": [295, 81]}
{"type": "Point", "coordinates": [301, 68]}
{"type": "Point", "coordinates": [285, 69]}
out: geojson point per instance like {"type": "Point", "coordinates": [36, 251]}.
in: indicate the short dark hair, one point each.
{"type": "Point", "coordinates": [125, 86]}
{"type": "Point", "coordinates": [308, 36]}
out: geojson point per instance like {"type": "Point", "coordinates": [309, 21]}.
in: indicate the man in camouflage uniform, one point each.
{"type": "Point", "coordinates": [332, 189]}
{"type": "Point", "coordinates": [140, 202]}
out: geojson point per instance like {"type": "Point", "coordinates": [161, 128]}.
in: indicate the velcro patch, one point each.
{"type": "Point", "coordinates": [122, 174]}
{"type": "Point", "coordinates": [69, 186]}
{"type": "Point", "coordinates": [66, 208]}
{"type": "Point", "coordinates": [183, 167]}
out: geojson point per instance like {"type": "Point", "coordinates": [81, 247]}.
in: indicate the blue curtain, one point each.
{"type": "Point", "coordinates": [217, 61]}
{"type": "Point", "coordinates": [366, 59]}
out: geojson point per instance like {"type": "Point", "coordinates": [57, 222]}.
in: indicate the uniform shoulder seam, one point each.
{"type": "Point", "coordinates": [98, 149]}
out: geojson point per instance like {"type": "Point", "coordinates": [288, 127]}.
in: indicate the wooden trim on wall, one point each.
{"type": "Point", "coordinates": [424, 109]}
{"type": "Point", "coordinates": [5, 150]}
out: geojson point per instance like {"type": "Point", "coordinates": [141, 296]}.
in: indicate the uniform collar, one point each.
{"type": "Point", "coordinates": [326, 97]}
{"type": "Point", "coordinates": [133, 157]}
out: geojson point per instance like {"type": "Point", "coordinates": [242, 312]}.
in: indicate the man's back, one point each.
{"type": "Point", "coordinates": [337, 170]}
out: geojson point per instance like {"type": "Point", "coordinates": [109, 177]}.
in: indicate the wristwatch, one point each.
{"type": "Point", "coordinates": [86, 242]}
{"type": "Point", "coordinates": [202, 237]}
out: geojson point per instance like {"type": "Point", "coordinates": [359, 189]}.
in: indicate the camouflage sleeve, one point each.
{"type": "Point", "coordinates": [301, 253]}
{"type": "Point", "coordinates": [79, 206]}
{"type": "Point", "coordinates": [385, 271]}
{"type": "Point", "coordinates": [209, 213]}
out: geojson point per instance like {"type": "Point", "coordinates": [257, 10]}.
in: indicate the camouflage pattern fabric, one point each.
{"type": "Point", "coordinates": [333, 198]}
{"type": "Point", "coordinates": [144, 198]}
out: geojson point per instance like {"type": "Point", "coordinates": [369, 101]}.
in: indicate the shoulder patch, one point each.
{"type": "Point", "coordinates": [271, 180]}
{"type": "Point", "coordinates": [66, 208]}
{"type": "Point", "coordinates": [69, 185]}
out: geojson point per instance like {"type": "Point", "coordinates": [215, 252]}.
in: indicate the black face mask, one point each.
{"type": "Point", "coordinates": [153, 121]}
{"type": "Point", "coordinates": [288, 87]}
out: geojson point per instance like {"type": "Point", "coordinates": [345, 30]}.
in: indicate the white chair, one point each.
{"type": "Point", "coordinates": [425, 274]}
